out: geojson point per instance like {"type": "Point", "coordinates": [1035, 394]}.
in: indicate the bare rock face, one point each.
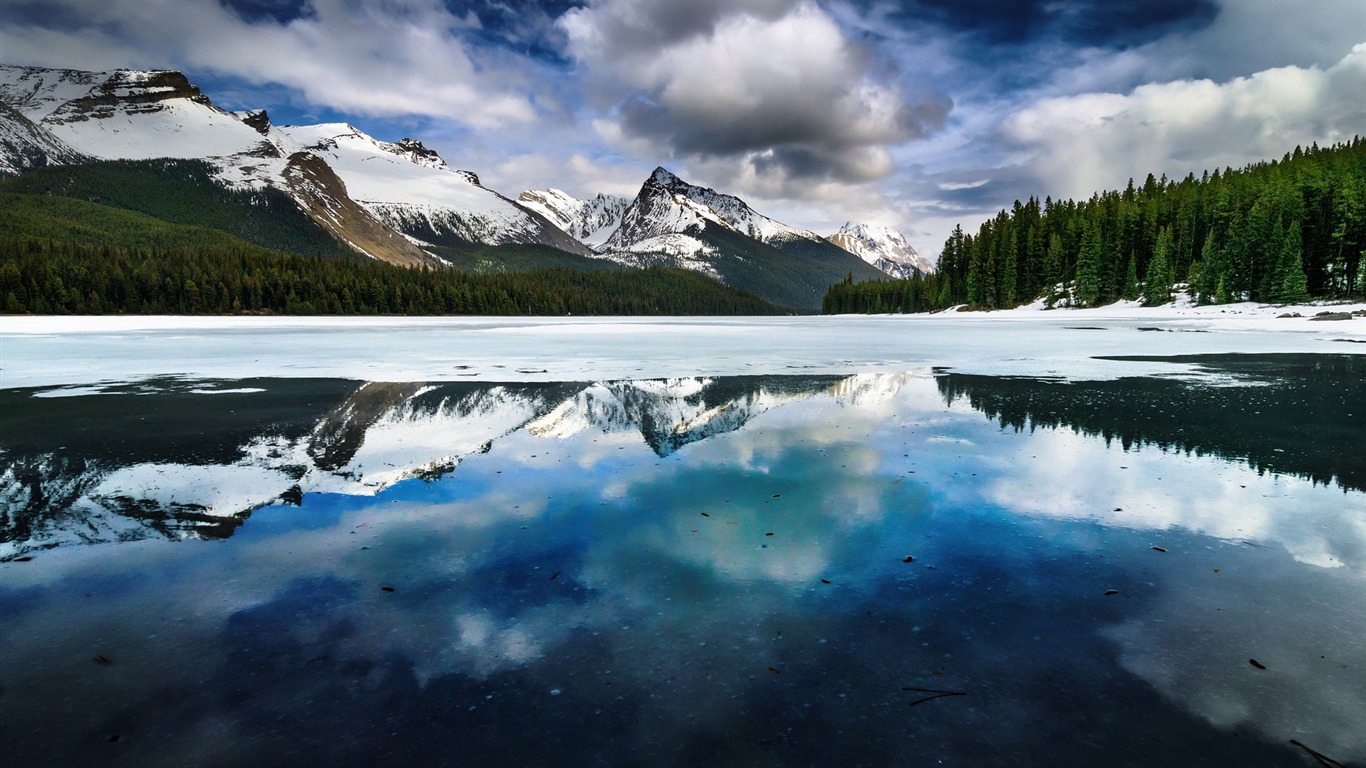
{"type": "Point", "coordinates": [259, 120]}
{"type": "Point", "coordinates": [322, 195]}
{"type": "Point", "coordinates": [419, 154]}
{"type": "Point", "coordinates": [132, 91]}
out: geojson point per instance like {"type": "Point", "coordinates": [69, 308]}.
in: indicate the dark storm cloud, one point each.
{"type": "Point", "coordinates": [278, 11]}
{"type": "Point", "coordinates": [634, 26]}
{"type": "Point", "coordinates": [805, 135]}
{"type": "Point", "coordinates": [777, 85]}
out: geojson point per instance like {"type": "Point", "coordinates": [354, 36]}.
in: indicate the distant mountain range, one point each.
{"type": "Point", "coordinates": [402, 203]}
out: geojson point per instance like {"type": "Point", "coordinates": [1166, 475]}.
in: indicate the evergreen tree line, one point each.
{"type": "Point", "coordinates": [1280, 231]}
{"type": "Point", "coordinates": [62, 277]}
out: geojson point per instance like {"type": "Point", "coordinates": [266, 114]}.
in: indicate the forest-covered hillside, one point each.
{"type": "Point", "coordinates": [61, 255]}
{"type": "Point", "coordinates": [67, 278]}
{"type": "Point", "coordinates": [161, 236]}
{"type": "Point", "coordinates": [1279, 231]}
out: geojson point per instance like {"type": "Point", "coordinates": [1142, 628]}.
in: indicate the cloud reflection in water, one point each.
{"type": "Point", "coordinates": [577, 594]}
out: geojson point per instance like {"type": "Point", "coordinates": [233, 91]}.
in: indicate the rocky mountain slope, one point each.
{"type": "Point", "coordinates": [591, 222]}
{"type": "Point", "coordinates": [883, 247]}
{"type": "Point", "coordinates": [380, 198]}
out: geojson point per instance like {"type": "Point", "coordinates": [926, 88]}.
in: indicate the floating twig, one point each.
{"type": "Point", "coordinates": [1319, 756]}
{"type": "Point", "coordinates": [934, 694]}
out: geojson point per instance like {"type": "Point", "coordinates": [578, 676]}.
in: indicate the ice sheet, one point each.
{"type": "Point", "coordinates": [52, 351]}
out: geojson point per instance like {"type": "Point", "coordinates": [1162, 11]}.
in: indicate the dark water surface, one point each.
{"type": "Point", "coordinates": [913, 569]}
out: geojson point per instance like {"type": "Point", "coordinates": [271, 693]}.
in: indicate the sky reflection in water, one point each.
{"type": "Point", "coordinates": [572, 592]}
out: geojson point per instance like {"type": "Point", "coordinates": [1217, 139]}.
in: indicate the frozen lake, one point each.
{"type": "Point", "coordinates": [810, 541]}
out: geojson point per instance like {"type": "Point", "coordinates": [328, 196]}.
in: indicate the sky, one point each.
{"type": "Point", "coordinates": [919, 114]}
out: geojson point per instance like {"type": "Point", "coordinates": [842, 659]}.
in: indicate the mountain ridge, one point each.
{"type": "Point", "coordinates": [401, 202]}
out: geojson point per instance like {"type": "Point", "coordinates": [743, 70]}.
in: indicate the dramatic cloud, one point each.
{"type": "Point", "coordinates": [400, 57]}
{"type": "Point", "coordinates": [922, 114]}
{"type": "Point", "coordinates": [775, 84]}
{"type": "Point", "coordinates": [1097, 141]}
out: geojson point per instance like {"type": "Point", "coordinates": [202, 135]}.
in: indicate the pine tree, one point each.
{"type": "Point", "coordinates": [1087, 290]}
{"type": "Point", "coordinates": [1129, 288]}
{"type": "Point", "coordinates": [1157, 285]}
{"type": "Point", "coordinates": [1294, 286]}
{"type": "Point", "coordinates": [1205, 284]}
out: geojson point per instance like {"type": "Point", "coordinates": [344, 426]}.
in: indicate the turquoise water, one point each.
{"type": "Point", "coordinates": [896, 569]}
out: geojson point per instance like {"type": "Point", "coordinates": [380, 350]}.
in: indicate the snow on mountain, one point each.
{"type": "Point", "coordinates": [883, 247]}
{"type": "Point", "coordinates": [591, 222]}
{"type": "Point", "coordinates": [126, 114]}
{"type": "Point", "coordinates": [413, 190]}
{"type": "Point", "coordinates": [667, 205]}
{"type": "Point", "coordinates": [25, 145]}
{"type": "Point", "coordinates": [661, 219]}
{"type": "Point", "coordinates": [392, 200]}
{"type": "Point", "coordinates": [733, 211]}
{"type": "Point", "coordinates": [140, 115]}
{"type": "Point", "coordinates": [135, 115]}
{"type": "Point", "coordinates": [660, 209]}
{"type": "Point", "coordinates": [671, 223]}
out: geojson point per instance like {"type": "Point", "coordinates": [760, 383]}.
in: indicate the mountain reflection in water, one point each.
{"type": "Point", "coordinates": [170, 458]}
{"type": "Point", "coordinates": [740, 571]}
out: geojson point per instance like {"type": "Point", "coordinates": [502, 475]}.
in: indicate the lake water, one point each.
{"type": "Point", "coordinates": [1154, 561]}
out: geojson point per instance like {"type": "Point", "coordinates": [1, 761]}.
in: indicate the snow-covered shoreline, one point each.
{"type": "Point", "coordinates": [81, 350]}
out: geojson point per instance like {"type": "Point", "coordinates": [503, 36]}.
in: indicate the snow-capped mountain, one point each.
{"type": "Point", "coordinates": [667, 204]}
{"type": "Point", "coordinates": [139, 115]}
{"type": "Point", "coordinates": [672, 223]}
{"type": "Point", "coordinates": [883, 247]}
{"type": "Point", "coordinates": [127, 114]}
{"type": "Point", "coordinates": [401, 202]}
{"type": "Point", "coordinates": [363, 191]}
{"type": "Point", "coordinates": [591, 222]}
{"type": "Point", "coordinates": [411, 188]}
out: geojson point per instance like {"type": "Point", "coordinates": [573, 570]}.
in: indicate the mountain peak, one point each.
{"type": "Point", "coordinates": [663, 177]}
{"type": "Point", "coordinates": [591, 222]}
{"type": "Point", "coordinates": [883, 247]}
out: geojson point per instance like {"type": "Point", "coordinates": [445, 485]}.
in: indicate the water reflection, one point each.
{"type": "Point", "coordinates": [741, 571]}
{"type": "Point", "coordinates": [1283, 413]}
{"type": "Point", "coordinates": [171, 458]}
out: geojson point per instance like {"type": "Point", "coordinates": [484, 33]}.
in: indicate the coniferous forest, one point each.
{"type": "Point", "coordinates": [65, 278]}
{"type": "Point", "coordinates": [1280, 232]}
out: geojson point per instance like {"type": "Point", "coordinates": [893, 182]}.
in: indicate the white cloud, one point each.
{"type": "Point", "coordinates": [1093, 141]}
{"type": "Point", "coordinates": [401, 57]}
